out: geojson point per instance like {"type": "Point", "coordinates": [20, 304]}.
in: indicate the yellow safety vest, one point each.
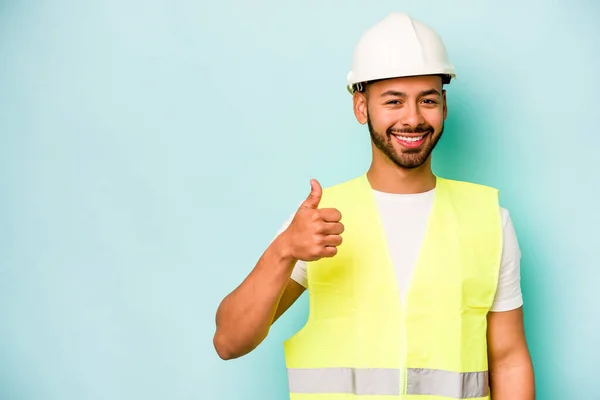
{"type": "Point", "coordinates": [361, 342]}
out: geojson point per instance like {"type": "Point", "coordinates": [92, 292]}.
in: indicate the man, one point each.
{"type": "Point", "coordinates": [421, 299]}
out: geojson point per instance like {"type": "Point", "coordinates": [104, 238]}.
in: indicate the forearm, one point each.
{"type": "Point", "coordinates": [513, 381]}
{"type": "Point", "coordinates": [244, 317]}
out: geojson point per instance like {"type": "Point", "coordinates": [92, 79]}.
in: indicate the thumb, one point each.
{"type": "Point", "coordinates": [313, 199]}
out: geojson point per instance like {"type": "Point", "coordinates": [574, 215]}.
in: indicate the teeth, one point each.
{"type": "Point", "coordinates": [409, 139]}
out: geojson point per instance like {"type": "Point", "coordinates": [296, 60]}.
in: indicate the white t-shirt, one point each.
{"type": "Point", "coordinates": [404, 218]}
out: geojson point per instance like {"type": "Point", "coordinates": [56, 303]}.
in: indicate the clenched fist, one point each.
{"type": "Point", "coordinates": [314, 233]}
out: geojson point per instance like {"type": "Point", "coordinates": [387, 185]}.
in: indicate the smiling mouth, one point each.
{"type": "Point", "coordinates": [410, 141]}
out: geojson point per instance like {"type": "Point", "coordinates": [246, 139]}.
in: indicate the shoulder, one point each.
{"type": "Point", "coordinates": [470, 198]}
{"type": "Point", "coordinates": [346, 194]}
{"type": "Point", "coordinates": [505, 217]}
{"type": "Point", "coordinates": [510, 242]}
{"type": "Point", "coordinates": [468, 188]}
{"type": "Point", "coordinates": [346, 185]}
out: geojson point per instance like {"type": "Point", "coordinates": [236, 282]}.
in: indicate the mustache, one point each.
{"type": "Point", "coordinates": [418, 129]}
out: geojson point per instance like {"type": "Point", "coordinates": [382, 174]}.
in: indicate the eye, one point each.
{"type": "Point", "coordinates": [430, 101]}
{"type": "Point", "coordinates": [394, 102]}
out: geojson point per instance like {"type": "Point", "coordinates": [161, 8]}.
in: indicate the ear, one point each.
{"type": "Point", "coordinates": [360, 107]}
{"type": "Point", "coordinates": [445, 104]}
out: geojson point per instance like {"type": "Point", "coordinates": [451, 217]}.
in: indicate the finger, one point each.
{"type": "Point", "coordinates": [333, 228]}
{"type": "Point", "coordinates": [330, 251]}
{"type": "Point", "coordinates": [330, 215]}
{"type": "Point", "coordinates": [332, 240]}
{"type": "Point", "coordinates": [314, 198]}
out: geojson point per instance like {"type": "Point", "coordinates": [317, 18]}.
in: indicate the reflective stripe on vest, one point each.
{"type": "Point", "coordinates": [381, 381]}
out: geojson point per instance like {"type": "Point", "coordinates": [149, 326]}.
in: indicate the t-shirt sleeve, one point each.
{"type": "Point", "coordinates": [509, 295]}
{"type": "Point", "coordinates": [299, 271]}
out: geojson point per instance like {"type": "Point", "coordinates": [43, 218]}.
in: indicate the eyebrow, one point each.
{"type": "Point", "coordinates": [402, 94]}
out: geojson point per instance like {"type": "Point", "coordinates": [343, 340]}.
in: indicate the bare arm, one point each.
{"type": "Point", "coordinates": [511, 369]}
{"type": "Point", "coordinates": [245, 316]}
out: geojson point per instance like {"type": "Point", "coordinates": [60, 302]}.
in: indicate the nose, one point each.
{"type": "Point", "coordinates": [411, 115]}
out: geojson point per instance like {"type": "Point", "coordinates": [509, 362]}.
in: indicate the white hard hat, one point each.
{"type": "Point", "coordinates": [398, 46]}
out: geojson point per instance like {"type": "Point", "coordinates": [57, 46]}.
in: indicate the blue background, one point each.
{"type": "Point", "coordinates": [151, 149]}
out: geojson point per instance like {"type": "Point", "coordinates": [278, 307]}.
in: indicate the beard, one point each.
{"type": "Point", "coordinates": [408, 158]}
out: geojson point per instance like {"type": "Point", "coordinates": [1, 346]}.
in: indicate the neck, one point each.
{"type": "Point", "coordinates": [386, 176]}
